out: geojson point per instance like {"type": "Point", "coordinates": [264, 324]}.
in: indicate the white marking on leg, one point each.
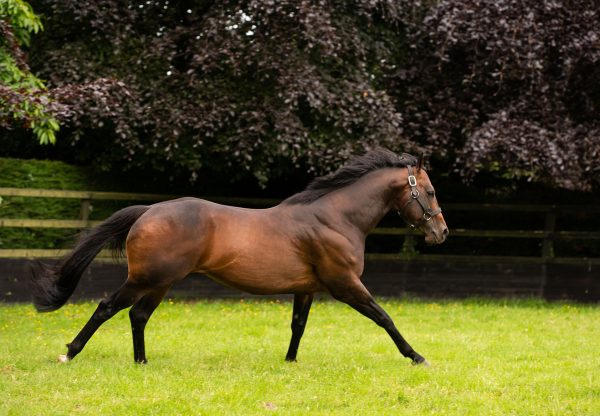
{"type": "Point", "coordinates": [63, 358]}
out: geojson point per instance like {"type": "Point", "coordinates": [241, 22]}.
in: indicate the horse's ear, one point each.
{"type": "Point", "coordinates": [421, 161]}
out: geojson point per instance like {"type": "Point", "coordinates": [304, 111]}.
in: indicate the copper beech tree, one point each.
{"type": "Point", "coordinates": [263, 87]}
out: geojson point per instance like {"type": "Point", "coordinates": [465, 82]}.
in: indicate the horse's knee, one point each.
{"type": "Point", "coordinates": [298, 325]}
{"type": "Point", "coordinates": [138, 316]}
{"type": "Point", "coordinates": [380, 317]}
{"type": "Point", "coordinates": [385, 322]}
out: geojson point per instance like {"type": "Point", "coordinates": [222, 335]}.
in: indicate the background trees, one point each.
{"type": "Point", "coordinates": [260, 88]}
{"type": "Point", "coordinates": [23, 98]}
{"type": "Point", "coordinates": [510, 87]}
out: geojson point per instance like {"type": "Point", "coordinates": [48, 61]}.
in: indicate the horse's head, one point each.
{"type": "Point", "coordinates": [417, 205]}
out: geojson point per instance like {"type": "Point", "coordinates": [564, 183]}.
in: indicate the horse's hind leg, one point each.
{"type": "Point", "coordinates": [124, 297]}
{"type": "Point", "coordinates": [357, 296]}
{"type": "Point", "coordinates": [302, 304]}
{"type": "Point", "coordinates": [139, 315]}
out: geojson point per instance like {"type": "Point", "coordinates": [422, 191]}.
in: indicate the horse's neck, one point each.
{"type": "Point", "coordinates": [364, 203]}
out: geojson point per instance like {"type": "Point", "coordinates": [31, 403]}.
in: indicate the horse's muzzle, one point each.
{"type": "Point", "coordinates": [437, 237]}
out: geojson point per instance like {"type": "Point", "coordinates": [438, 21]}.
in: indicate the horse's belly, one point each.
{"type": "Point", "coordinates": [261, 276]}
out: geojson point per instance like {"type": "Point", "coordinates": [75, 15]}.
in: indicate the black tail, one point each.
{"type": "Point", "coordinates": [52, 286]}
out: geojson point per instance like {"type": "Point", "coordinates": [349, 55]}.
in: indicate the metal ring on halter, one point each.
{"type": "Point", "coordinates": [414, 193]}
{"type": "Point", "coordinates": [412, 181]}
{"type": "Point", "coordinates": [427, 216]}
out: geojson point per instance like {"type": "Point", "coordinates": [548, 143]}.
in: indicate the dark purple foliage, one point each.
{"type": "Point", "coordinates": [509, 86]}
{"type": "Point", "coordinates": [261, 87]}
{"type": "Point", "coordinates": [257, 86]}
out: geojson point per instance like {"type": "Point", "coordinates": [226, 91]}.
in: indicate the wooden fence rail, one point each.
{"type": "Point", "coordinates": [548, 235]}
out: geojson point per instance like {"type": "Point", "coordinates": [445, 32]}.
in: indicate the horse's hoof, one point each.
{"type": "Point", "coordinates": [424, 363]}
{"type": "Point", "coordinates": [418, 360]}
{"type": "Point", "coordinates": [63, 358]}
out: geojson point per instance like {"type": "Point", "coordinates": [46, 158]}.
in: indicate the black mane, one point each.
{"type": "Point", "coordinates": [346, 175]}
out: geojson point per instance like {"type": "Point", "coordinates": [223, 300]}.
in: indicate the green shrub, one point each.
{"type": "Point", "coordinates": [44, 174]}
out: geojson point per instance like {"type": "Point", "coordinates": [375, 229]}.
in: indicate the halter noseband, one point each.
{"type": "Point", "coordinates": [423, 202]}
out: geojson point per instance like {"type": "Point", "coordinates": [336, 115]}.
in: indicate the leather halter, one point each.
{"type": "Point", "coordinates": [423, 202]}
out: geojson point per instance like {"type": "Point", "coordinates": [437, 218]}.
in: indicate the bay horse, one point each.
{"type": "Point", "coordinates": [312, 242]}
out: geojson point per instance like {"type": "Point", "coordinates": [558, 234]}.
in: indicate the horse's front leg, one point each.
{"type": "Point", "coordinates": [302, 302]}
{"type": "Point", "coordinates": [353, 293]}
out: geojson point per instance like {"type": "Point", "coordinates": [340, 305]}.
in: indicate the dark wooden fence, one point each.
{"type": "Point", "coordinates": [387, 274]}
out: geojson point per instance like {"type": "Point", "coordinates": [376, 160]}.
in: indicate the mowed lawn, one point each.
{"type": "Point", "coordinates": [227, 358]}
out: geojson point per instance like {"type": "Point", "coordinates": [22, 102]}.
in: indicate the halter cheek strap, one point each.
{"type": "Point", "coordinates": [428, 212]}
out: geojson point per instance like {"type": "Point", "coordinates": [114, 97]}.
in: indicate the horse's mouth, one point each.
{"type": "Point", "coordinates": [433, 239]}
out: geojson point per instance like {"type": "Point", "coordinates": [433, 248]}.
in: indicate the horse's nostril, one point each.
{"type": "Point", "coordinates": [445, 232]}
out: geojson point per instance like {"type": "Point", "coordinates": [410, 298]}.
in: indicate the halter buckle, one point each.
{"type": "Point", "coordinates": [427, 216]}
{"type": "Point", "coordinates": [412, 181]}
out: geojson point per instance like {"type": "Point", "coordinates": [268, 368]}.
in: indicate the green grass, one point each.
{"type": "Point", "coordinates": [226, 358]}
